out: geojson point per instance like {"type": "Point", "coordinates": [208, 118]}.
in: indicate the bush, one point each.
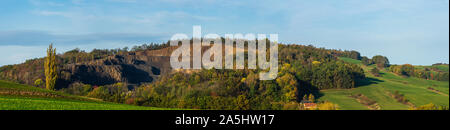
{"type": "Point", "coordinates": [113, 93]}
{"type": "Point", "coordinates": [327, 106]}
{"type": "Point", "coordinates": [430, 106]}
{"type": "Point", "coordinates": [38, 83]}
{"type": "Point", "coordinates": [78, 89]}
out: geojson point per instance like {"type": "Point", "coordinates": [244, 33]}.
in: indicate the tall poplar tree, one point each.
{"type": "Point", "coordinates": [50, 68]}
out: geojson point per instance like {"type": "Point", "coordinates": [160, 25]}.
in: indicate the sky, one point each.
{"type": "Point", "coordinates": [406, 31]}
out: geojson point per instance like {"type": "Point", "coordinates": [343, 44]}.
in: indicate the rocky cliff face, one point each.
{"type": "Point", "coordinates": [133, 68]}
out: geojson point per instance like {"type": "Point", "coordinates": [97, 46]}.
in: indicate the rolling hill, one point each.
{"type": "Point", "coordinates": [380, 90]}
{"type": "Point", "coordinates": [334, 79]}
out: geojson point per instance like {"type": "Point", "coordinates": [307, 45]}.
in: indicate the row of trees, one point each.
{"type": "Point", "coordinates": [410, 71]}
{"type": "Point", "coordinates": [79, 56]}
{"type": "Point", "coordinates": [350, 54]}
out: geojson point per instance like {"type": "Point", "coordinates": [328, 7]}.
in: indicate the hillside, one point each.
{"type": "Point", "coordinates": [99, 67]}
{"type": "Point", "coordinates": [22, 97]}
{"type": "Point", "coordinates": [333, 79]}
{"type": "Point", "coordinates": [380, 89]}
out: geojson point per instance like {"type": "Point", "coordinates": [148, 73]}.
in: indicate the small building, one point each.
{"type": "Point", "coordinates": [308, 104]}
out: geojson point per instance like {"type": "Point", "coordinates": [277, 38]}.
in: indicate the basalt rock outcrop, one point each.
{"type": "Point", "coordinates": [133, 68]}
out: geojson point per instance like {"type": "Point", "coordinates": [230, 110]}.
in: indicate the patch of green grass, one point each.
{"type": "Point", "coordinates": [26, 103]}
{"type": "Point", "coordinates": [441, 67]}
{"type": "Point", "coordinates": [15, 89]}
{"type": "Point", "coordinates": [444, 68]}
{"type": "Point", "coordinates": [350, 60]}
{"type": "Point", "coordinates": [343, 99]}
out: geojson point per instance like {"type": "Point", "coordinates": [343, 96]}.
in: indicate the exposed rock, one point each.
{"type": "Point", "coordinates": [133, 68]}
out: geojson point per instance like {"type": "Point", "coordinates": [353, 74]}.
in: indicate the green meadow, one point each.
{"type": "Point", "coordinates": [379, 89]}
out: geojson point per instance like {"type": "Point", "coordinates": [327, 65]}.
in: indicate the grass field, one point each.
{"type": "Point", "coordinates": [379, 89]}
{"type": "Point", "coordinates": [26, 103]}
{"type": "Point", "coordinates": [22, 97]}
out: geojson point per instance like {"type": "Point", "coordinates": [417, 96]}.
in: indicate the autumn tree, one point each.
{"type": "Point", "coordinates": [288, 85]}
{"type": "Point", "coordinates": [311, 98]}
{"type": "Point", "coordinates": [380, 61]}
{"type": "Point", "coordinates": [50, 68]}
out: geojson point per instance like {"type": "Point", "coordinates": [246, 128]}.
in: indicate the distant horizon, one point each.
{"type": "Point", "coordinates": [161, 42]}
{"type": "Point", "coordinates": [406, 31]}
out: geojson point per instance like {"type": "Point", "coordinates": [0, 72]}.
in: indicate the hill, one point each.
{"type": "Point", "coordinates": [333, 79]}
{"type": "Point", "coordinates": [416, 91]}
{"type": "Point", "coordinates": [22, 97]}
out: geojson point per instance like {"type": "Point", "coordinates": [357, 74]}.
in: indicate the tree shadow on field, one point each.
{"type": "Point", "coordinates": [367, 81]}
{"type": "Point", "coordinates": [358, 83]}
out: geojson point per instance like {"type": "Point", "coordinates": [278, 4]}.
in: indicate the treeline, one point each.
{"type": "Point", "coordinates": [80, 56]}
{"type": "Point", "coordinates": [350, 54]}
{"type": "Point", "coordinates": [411, 71]}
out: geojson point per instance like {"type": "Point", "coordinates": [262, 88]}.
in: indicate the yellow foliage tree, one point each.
{"type": "Point", "coordinates": [50, 68]}
{"type": "Point", "coordinates": [288, 85]}
{"type": "Point", "coordinates": [327, 106]}
{"type": "Point", "coordinates": [430, 106]}
{"type": "Point", "coordinates": [38, 82]}
{"type": "Point", "coordinates": [316, 62]}
{"type": "Point", "coordinates": [311, 98]}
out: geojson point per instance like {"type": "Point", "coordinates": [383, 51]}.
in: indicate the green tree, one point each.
{"type": "Point", "coordinates": [50, 68]}
{"type": "Point", "coordinates": [381, 61]}
{"type": "Point", "coordinates": [355, 55]}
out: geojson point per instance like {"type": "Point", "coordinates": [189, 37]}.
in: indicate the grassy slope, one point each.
{"type": "Point", "coordinates": [415, 90]}
{"type": "Point", "coordinates": [22, 97]}
{"type": "Point", "coordinates": [439, 67]}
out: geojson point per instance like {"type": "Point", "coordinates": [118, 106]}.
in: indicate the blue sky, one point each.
{"type": "Point", "coordinates": [406, 31]}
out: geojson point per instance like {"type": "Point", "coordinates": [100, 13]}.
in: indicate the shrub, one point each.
{"type": "Point", "coordinates": [38, 82]}
{"type": "Point", "coordinates": [327, 106]}
{"type": "Point", "coordinates": [78, 89]}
